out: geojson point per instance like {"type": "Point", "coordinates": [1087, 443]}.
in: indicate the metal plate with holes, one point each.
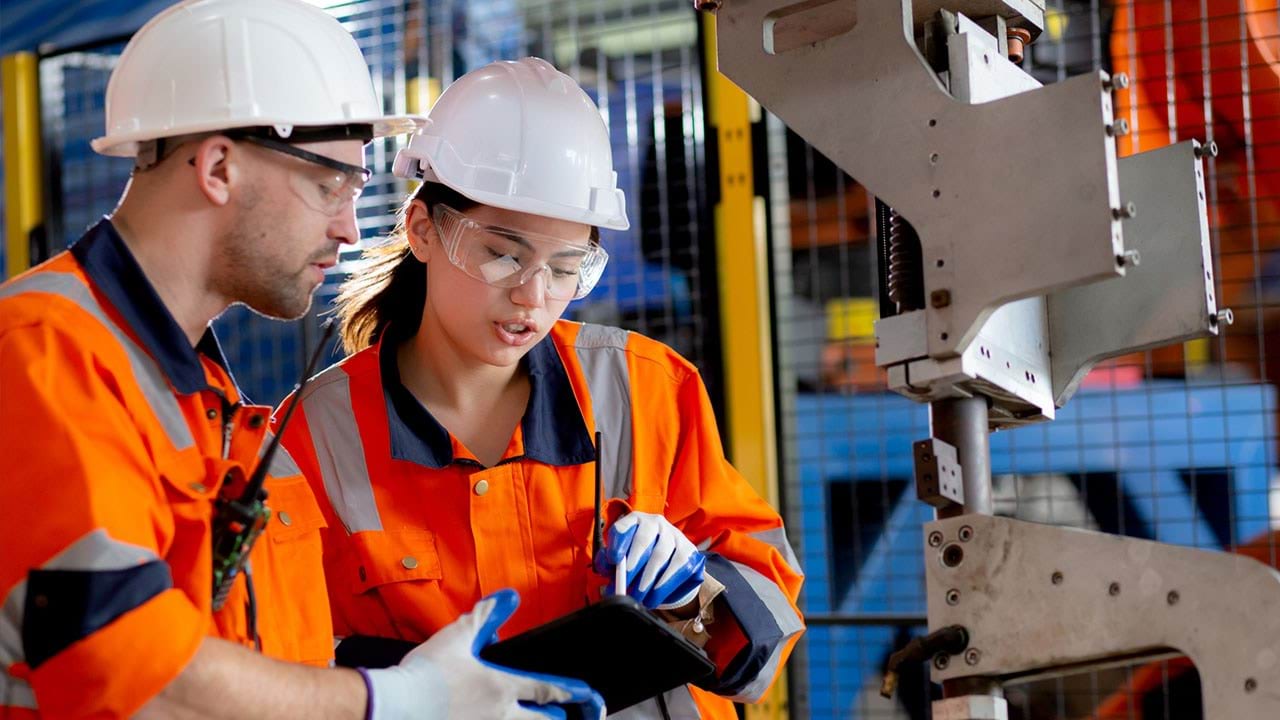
{"type": "Point", "coordinates": [993, 227]}
{"type": "Point", "coordinates": [1036, 598]}
{"type": "Point", "coordinates": [1167, 298]}
{"type": "Point", "coordinates": [938, 477]}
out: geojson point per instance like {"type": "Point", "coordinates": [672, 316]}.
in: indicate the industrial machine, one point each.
{"type": "Point", "coordinates": [1016, 252]}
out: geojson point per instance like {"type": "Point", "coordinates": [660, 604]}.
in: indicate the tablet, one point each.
{"type": "Point", "coordinates": [623, 651]}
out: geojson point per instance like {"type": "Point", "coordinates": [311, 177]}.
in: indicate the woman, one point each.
{"type": "Point", "coordinates": [453, 450]}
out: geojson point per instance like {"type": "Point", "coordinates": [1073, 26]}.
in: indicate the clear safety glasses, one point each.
{"type": "Point", "coordinates": [507, 258]}
{"type": "Point", "coordinates": [327, 185]}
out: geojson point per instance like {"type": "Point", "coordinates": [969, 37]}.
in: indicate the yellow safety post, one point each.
{"type": "Point", "coordinates": [23, 184]}
{"type": "Point", "coordinates": [745, 318]}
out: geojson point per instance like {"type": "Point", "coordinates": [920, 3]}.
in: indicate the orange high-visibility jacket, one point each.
{"type": "Point", "coordinates": [418, 530]}
{"type": "Point", "coordinates": [116, 437]}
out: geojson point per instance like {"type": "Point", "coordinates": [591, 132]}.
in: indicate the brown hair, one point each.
{"type": "Point", "coordinates": [391, 287]}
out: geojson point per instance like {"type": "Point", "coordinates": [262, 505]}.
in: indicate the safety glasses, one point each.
{"type": "Point", "coordinates": [328, 185]}
{"type": "Point", "coordinates": [507, 258]}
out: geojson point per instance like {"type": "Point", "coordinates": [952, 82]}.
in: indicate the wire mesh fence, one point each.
{"type": "Point", "coordinates": [637, 59]}
{"type": "Point", "coordinates": [1176, 444]}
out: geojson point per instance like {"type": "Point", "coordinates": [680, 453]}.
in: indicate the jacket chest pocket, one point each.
{"type": "Point", "coordinates": [384, 557]}
{"type": "Point", "coordinates": [294, 511]}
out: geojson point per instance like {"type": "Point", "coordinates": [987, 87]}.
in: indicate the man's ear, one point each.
{"type": "Point", "coordinates": [218, 168]}
{"type": "Point", "coordinates": [420, 231]}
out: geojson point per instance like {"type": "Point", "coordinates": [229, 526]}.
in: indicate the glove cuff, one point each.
{"type": "Point", "coordinates": [368, 686]}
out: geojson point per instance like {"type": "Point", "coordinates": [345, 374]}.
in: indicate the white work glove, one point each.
{"type": "Point", "coordinates": [663, 568]}
{"type": "Point", "coordinates": [445, 679]}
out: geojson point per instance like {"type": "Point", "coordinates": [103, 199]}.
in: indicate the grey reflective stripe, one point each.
{"type": "Point", "coordinates": [16, 693]}
{"type": "Point", "coordinates": [777, 538]}
{"type": "Point", "coordinates": [789, 624]}
{"type": "Point", "coordinates": [602, 353]}
{"type": "Point", "coordinates": [95, 550]}
{"type": "Point", "coordinates": [336, 439]}
{"type": "Point", "coordinates": [146, 372]}
{"type": "Point", "coordinates": [282, 464]}
{"type": "Point", "coordinates": [680, 706]}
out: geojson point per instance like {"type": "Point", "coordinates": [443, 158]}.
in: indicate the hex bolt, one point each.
{"type": "Point", "coordinates": [940, 298]}
{"type": "Point", "coordinates": [941, 661]}
{"type": "Point", "coordinates": [1209, 149]}
{"type": "Point", "coordinates": [1119, 128]}
{"type": "Point", "coordinates": [1124, 213]}
{"type": "Point", "coordinates": [972, 656]}
{"type": "Point", "coordinates": [953, 597]}
{"type": "Point", "coordinates": [1173, 597]}
{"type": "Point", "coordinates": [1119, 81]}
{"type": "Point", "coordinates": [1056, 578]}
{"type": "Point", "coordinates": [1129, 258]}
{"type": "Point", "coordinates": [935, 539]}
{"type": "Point", "coordinates": [966, 533]}
{"type": "Point", "coordinates": [1114, 589]}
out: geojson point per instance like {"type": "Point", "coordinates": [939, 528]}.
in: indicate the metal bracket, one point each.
{"type": "Point", "coordinates": [956, 171]}
{"type": "Point", "coordinates": [1037, 599]}
{"type": "Point", "coordinates": [1168, 298]}
{"type": "Point", "coordinates": [939, 481]}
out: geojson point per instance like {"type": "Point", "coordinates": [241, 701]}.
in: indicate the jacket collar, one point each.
{"type": "Point", "coordinates": [554, 430]}
{"type": "Point", "coordinates": [115, 273]}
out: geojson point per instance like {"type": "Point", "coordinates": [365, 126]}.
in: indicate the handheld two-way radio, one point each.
{"type": "Point", "coordinates": [238, 521]}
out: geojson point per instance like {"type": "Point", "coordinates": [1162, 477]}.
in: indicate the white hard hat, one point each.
{"type": "Point", "coordinates": [208, 65]}
{"type": "Point", "coordinates": [523, 136]}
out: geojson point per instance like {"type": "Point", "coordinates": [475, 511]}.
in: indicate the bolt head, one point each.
{"type": "Point", "coordinates": [940, 298]}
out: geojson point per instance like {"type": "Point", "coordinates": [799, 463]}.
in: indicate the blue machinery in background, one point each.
{"type": "Point", "coordinates": [1169, 461]}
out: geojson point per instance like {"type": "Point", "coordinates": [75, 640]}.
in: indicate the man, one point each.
{"type": "Point", "coordinates": [122, 428]}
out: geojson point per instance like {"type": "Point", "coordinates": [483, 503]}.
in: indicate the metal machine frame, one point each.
{"type": "Point", "coordinates": [1006, 287]}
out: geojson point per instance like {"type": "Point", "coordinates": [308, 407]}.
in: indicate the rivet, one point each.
{"type": "Point", "coordinates": [409, 562]}
{"type": "Point", "coordinates": [199, 487]}
{"type": "Point", "coordinates": [285, 519]}
{"type": "Point", "coordinates": [482, 487]}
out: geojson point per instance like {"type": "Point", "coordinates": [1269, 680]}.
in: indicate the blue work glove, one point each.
{"type": "Point", "coordinates": [445, 679]}
{"type": "Point", "coordinates": [663, 568]}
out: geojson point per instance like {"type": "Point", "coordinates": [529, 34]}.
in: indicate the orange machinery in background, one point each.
{"type": "Point", "coordinates": [1210, 70]}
